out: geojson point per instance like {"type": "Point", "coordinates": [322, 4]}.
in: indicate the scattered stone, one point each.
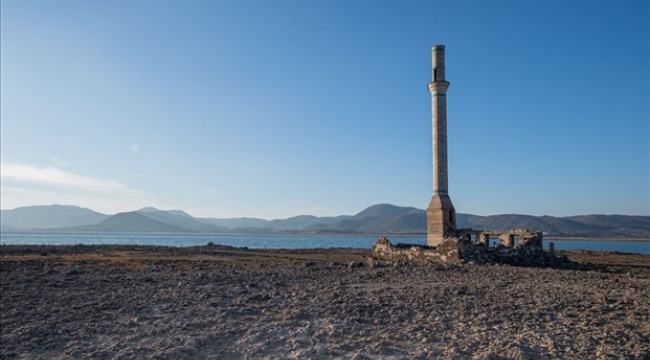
{"type": "Point", "coordinates": [370, 261]}
{"type": "Point", "coordinates": [355, 264]}
{"type": "Point", "coordinates": [217, 306]}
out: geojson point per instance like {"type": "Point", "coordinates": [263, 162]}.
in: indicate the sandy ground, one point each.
{"type": "Point", "coordinates": [108, 302]}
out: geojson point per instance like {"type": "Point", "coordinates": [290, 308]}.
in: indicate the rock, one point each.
{"type": "Point", "coordinates": [47, 269]}
{"type": "Point", "coordinates": [355, 264]}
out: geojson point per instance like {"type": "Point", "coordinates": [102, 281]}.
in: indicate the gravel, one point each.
{"type": "Point", "coordinates": [84, 307]}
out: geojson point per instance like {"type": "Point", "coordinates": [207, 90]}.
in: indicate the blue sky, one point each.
{"type": "Point", "coordinates": [279, 108]}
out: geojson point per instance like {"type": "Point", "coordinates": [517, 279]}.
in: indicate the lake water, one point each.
{"type": "Point", "coordinates": [274, 241]}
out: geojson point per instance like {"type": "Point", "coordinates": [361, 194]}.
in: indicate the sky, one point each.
{"type": "Point", "coordinates": [279, 108]}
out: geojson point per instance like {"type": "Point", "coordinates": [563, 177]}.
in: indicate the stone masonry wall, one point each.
{"type": "Point", "coordinates": [455, 250]}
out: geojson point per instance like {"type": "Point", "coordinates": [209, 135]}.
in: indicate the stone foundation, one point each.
{"type": "Point", "coordinates": [528, 251]}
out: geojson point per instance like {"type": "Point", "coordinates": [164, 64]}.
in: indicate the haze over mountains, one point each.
{"type": "Point", "coordinates": [376, 219]}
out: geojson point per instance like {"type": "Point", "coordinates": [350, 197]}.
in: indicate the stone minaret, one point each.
{"type": "Point", "coordinates": [441, 216]}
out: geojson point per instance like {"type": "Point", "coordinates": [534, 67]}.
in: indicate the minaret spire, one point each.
{"type": "Point", "coordinates": [441, 215]}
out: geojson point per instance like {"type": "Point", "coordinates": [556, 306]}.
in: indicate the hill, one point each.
{"type": "Point", "coordinates": [381, 218]}
{"type": "Point", "coordinates": [131, 222]}
{"type": "Point", "coordinates": [180, 219]}
{"type": "Point", "coordinates": [571, 226]}
{"type": "Point", "coordinates": [47, 217]}
{"type": "Point", "coordinates": [236, 223]}
{"type": "Point", "coordinates": [383, 210]}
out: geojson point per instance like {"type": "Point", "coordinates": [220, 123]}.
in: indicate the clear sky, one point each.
{"type": "Point", "coordinates": [278, 108]}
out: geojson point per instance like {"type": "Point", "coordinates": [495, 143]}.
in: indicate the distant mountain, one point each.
{"type": "Point", "coordinates": [626, 226]}
{"type": "Point", "coordinates": [408, 223]}
{"type": "Point", "coordinates": [390, 219]}
{"type": "Point", "coordinates": [131, 222]}
{"type": "Point", "coordinates": [236, 223]}
{"type": "Point", "coordinates": [383, 210]}
{"type": "Point", "coordinates": [173, 212]}
{"type": "Point", "coordinates": [382, 218]}
{"type": "Point", "coordinates": [180, 219]}
{"type": "Point", "coordinates": [300, 222]}
{"type": "Point", "coordinates": [571, 226]}
{"type": "Point", "coordinates": [377, 219]}
{"type": "Point", "coordinates": [47, 217]}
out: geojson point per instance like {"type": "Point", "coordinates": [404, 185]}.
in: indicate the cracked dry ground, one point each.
{"type": "Point", "coordinates": [108, 302]}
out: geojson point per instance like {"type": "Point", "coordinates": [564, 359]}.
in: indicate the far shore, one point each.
{"type": "Point", "coordinates": [579, 238]}
{"type": "Point", "coordinates": [341, 234]}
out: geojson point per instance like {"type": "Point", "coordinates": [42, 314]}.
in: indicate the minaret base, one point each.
{"type": "Point", "coordinates": [441, 220]}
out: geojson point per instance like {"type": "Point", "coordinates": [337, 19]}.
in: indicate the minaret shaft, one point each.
{"type": "Point", "coordinates": [441, 215]}
{"type": "Point", "coordinates": [439, 122]}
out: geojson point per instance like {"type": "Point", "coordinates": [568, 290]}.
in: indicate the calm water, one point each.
{"type": "Point", "coordinates": [282, 241]}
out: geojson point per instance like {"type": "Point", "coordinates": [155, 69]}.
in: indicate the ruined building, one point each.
{"type": "Point", "coordinates": [445, 242]}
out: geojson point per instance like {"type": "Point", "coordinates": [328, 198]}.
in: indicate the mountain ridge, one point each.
{"type": "Point", "coordinates": [49, 216]}
{"type": "Point", "coordinates": [130, 222]}
{"type": "Point", "coordinates": [376, 219]}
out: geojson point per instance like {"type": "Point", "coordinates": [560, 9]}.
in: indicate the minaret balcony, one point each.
{"type": "Point", "coordinates": [439, 87]}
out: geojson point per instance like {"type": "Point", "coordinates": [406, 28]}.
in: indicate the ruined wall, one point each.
{"type": "Point", "coordinates": [383, 249]}
{"type": "Point", "coordinates": [529, 251]}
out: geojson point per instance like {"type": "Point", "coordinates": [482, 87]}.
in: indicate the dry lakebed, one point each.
{"type": "Point", "coordinates": [217, 302]}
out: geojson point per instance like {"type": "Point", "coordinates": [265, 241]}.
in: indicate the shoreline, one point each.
{"type": "Point", "coordinates": [579, 238]}
{"type": "Point", "coordinates": [334, 234]}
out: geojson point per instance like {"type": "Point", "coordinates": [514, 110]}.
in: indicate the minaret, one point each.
{"type": "Point", "coordinates": [441, 216]}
